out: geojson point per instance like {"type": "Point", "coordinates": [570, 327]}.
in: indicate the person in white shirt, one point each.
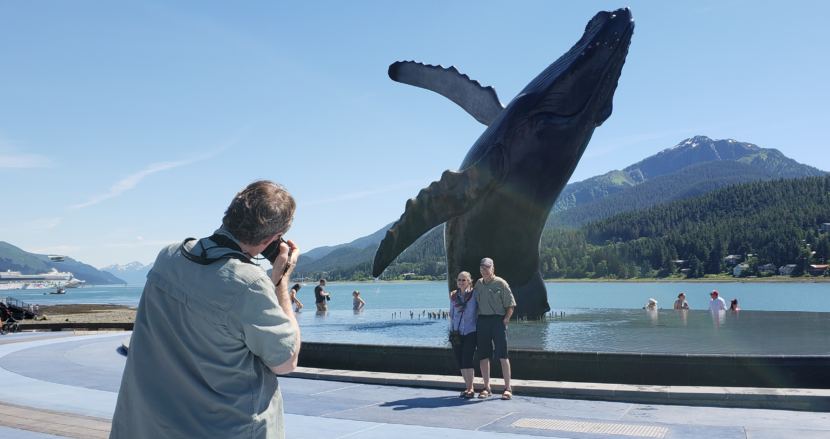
{"type": "Point", "coordinates": [717, 304]}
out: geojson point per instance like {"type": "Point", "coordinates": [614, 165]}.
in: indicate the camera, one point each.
{"type": "Point", "coordinates": [273, 250]}
{"type": "Point", "coordinates": [455, 337]}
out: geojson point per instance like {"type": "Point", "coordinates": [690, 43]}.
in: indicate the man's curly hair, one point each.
{"type": "Point", "coordinates": [258, 212]}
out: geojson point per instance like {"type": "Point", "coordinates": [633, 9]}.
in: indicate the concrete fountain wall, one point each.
{"type": "Point", "coordinates": [798, 371]}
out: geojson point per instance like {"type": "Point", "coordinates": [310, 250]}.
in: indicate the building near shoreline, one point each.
{"type": "Point", "coordinates": [787, 270]}
{"type": "Point", "coordinates": [818, 269]}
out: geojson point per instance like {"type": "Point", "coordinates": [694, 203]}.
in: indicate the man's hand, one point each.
{"type": "Point", "coordinates": [281, 274]}
{"type": "Point", "coordinates": [284, 263]}
{"type": "Point", "coordinates": [508, 313]}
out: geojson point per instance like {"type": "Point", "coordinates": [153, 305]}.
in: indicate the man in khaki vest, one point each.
{"type": "Point", "coordinates": [495, 306]}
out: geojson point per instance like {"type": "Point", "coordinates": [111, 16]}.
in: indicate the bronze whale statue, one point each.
{"type": "Point", "coordinates": [497, 203]}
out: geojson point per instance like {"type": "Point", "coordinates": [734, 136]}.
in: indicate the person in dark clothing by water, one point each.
{"type": "Point", "coordinates": [321, 296]}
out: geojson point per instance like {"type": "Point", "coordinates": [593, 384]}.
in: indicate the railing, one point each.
{"type": "Point", "coordinates": [22, 306]}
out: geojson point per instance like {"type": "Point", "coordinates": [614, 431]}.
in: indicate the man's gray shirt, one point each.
{"type": "Point", "coordinates": [199, 362]}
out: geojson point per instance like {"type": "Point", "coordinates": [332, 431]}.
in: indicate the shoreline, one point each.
{"type": "Point", "coordinates": [83, 313]}
{"type": "Point", "coordinates": [771, 279]}
{"type": "Point", "coordinates": [702, 280]}
{"type": "Point", "coordinates": [632, 280]}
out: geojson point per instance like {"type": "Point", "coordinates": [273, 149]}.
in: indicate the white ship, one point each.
{"type": "Point", "coordinates": [14, 280]}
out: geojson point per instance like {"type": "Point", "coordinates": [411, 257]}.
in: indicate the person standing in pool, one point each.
{"type": "Point", "coordinates": [321, 296]}
{"type": "Point", "coordinates": [294, 300]}
{"type": "Point", "coordinates": [717, 304]}
{"type": "Point", "coordinates": [681, 302]}
{"type": "Point", "coordinates": [357, 302]}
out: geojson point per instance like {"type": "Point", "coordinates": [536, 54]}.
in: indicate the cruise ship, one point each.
{"type": "Point", "coordinates": [14, 280]}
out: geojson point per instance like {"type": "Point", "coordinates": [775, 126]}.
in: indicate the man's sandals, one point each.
{"type": "Point", "coordinates": [506, 395]}
{"type": "Point", "coordinates": [467, 395]}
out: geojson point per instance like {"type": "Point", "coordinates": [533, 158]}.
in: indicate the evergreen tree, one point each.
{"type": "Point", "coordinates": [695, 267]}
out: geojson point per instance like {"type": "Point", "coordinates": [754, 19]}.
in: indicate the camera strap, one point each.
{"type": "Point", "coordinates": [463, 305]}
{"type": "Point", "coordinates": [222, 241]}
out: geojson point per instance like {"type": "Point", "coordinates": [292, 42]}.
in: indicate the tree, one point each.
{"type": "Point", "coordinates": [803, 262]}
{"type": "Point", "coordinates": [601, 269]}
{"type": "Point", "coordinates": [695, 267]}
{"type": "Point", "coordinates": [714, 264]}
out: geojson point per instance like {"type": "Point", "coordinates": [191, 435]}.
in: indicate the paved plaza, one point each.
{"type": "Point", "coordinates": [64, 385]}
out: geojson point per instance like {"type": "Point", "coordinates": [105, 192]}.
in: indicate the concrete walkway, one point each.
{"type": "Point", "coordinates": [58, 385]}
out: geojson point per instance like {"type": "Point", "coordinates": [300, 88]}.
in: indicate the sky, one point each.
{"type": "Point", "coordinates": [126, 126]}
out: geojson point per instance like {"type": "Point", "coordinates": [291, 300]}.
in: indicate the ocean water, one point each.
{"type": "Point", "coordinates": [776, 318]}
{"type": "Point", "coordinates": [405, 296]}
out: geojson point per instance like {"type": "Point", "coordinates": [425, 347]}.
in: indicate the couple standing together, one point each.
{"type": "Point", "coordinates": [480, 315]}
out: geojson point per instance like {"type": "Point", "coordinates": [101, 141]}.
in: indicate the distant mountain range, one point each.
{"type": "Point", "coordinates": [767, 224]}
{"type": "Point", "coordinates": [15, 259]}
{"type": "Point", "coordinates": [718, 155]}
{"type": "Point", "coordinates": [132, 273]}
{"type": "Point", "coordinates": [363, 242]}
{"type": "Point", "coordinates": [693, 167]}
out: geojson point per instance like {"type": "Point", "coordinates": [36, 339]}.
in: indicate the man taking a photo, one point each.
{"type": "Point", "coordinates": [213, 330]}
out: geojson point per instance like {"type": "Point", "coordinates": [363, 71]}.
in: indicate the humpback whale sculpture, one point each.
{"type": "Point", "coordinates": [496, 205]}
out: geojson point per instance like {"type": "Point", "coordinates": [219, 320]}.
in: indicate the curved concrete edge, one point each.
{"type": "Point", "coordinates": [815, 400]}
{"type": "Point", "coordinates": [44, 395]}
{"type": "Point", "coordinates": [767, 371]}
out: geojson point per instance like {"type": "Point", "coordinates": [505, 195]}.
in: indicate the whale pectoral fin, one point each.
{"type": "Point", "coordinates": [481, 102]}
{"type": "Point", "coordinates": [446, 198]}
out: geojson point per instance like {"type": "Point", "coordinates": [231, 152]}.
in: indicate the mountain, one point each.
{"type": "Point", "coordinates": [372, 240]}
{"type": "Point", "coordinates": [776, 222]}
{"type": "Point", "coordinates": [694, 180]}
{"type": "Point", "coordinates": [132, 273]}
{"type": "Point", "coordinates": [693, 167]}
{"type": "Point", "coordinates": [341, 259]}
{"type": "Point", "coordinates": [354, 260]}
{"type": "Point", "coordinates": [332, 261]}
{"type": "Point", "coordinates": [695, 150]}
{"type": "Point", "coordinates": [14, 259]}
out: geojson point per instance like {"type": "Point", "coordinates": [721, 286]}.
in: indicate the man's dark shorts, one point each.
{"type": "Point", "coordinates": [491, 333]}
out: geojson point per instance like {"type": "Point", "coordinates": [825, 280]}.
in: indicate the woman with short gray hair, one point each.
{"type": "Point", "coordinates": [463, 314]}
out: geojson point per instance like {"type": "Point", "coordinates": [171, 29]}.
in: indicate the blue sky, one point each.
{"type": "Point", "coordinates": [126, 126]}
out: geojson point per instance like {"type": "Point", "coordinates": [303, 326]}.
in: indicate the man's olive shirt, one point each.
{"type": "Point", "coordinates": [199, 362]}
{"type": "Point", "coordinates": [494, 297]}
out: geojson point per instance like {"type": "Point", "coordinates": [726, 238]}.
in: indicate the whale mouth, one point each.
{"type": "Point", "coordinates": [586, 76]}
{"type": "Point", "coordinates": [605, 92]}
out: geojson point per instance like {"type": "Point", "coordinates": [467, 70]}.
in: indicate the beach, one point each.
{"type": "Point", "coordinates": [85, 313]}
